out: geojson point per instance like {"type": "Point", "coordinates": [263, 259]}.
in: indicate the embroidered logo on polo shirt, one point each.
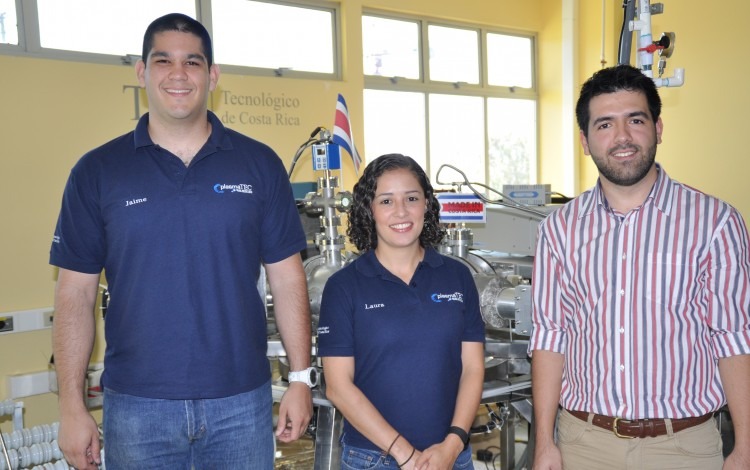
{"type": "Point", "coordinates": [371, 306]}
{"type": "Point", "coordinates": [233, 188]}
{"type": "Point", "coordinates": [323, 330]}
{"type": "Point", "coordinates": [454, 297]}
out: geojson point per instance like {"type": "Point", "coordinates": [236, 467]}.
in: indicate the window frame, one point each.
{"type": "Point", "coordinates": [29, 43]}
{"type": "Point", "coordinates": [21, 9]}
{"type": "Point", "coordinates": [423, 22]}
{"type": "Point", "coordinates": [324, 5]}
{"type": "Point", "coordinates": [483, 89]}
{"type": "Point", "coordinates": [479, 58]}
{"type": "Point", "coordinates": [13, 47]}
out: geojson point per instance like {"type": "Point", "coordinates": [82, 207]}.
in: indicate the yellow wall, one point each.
{"type": "Point", "coordinates": [704, 119]}
{"type": "Point", "coordinates": [54, 111]}
{"type": "Point", "coordinates": [549, 68]}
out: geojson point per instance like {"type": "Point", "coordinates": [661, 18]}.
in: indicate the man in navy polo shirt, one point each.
{"type": "Point", "coordinates": [180, 214]}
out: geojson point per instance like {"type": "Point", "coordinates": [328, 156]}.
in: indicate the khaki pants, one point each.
{"type": "Point", "coordinates": [585, 446]}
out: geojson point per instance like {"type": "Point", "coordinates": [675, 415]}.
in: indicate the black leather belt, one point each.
{"type": "Point", "coordinates": [639, 427]}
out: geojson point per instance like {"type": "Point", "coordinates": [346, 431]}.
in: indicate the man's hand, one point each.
{"type": "Point", "coordinates": [547, 457]}
{"type": "Point", "coordinates": [737, 461]}
{"type": "Point", "coordinates": [78, 439]}
{"type": "Point", "coordinates": [295, 411]}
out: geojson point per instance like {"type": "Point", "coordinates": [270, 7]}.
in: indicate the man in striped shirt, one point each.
{"type": "Point", "coordinates": [641, 304]}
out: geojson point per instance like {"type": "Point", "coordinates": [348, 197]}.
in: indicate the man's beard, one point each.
{"type": "Point", "coordinates": [629, 174]}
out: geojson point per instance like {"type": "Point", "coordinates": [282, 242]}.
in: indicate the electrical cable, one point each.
{"type": "Point", "coordinates": [506, 201]}
{"type": "Point", "coordinates": [623, 50]}
{"type": "Point", "coordinates": [310, 141]}
{"type": "Point", "coordinates": [622, 31]}
{"type": "Point", "coordinates": [298, 154]}
{"type": "Point", "coordinates": [497, 456]}
{"type": "Point", "coordinates": [2, 443]}
{"type": "Point", "coordinates": [499, 450]}
{"type": "Point", "coordinates": [5, 451]}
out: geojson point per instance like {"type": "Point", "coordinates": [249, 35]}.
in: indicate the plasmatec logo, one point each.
{"type": "Point", "coordinates": [454, 297]}
{"type": "Point", "coordinates": [233, 188]}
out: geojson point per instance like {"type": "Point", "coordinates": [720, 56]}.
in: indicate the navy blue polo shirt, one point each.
{"type": "Point", "coordinates": [181, 249]}
{"type": "Point", "coordinates": [405, 340]}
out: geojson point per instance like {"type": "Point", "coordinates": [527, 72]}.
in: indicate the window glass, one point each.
{"type": "Point", "coordinates": [509, 60]}
{"type": "Point", "coordinates": [454, 54]}
{"type": "Point", "coordinates": [487, 130]}
{"type": "Point", "coordinates": [395, 123]}
{"type": "Point", "coordinates": [457, 136]}
{"type": "Point", "coordinates": [390, 48]}
{"type": "Point", "coordinates": [268, 35]}
{"type": "Point", "coordinates": [102, 27]}
{"type": "Point", "coordinates": [511, 128]}
{"type": "Point", "coordinates": [8, 22]}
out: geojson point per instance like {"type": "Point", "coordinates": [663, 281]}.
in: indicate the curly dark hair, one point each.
{"type": "Point", "coordinates": [361, 229]}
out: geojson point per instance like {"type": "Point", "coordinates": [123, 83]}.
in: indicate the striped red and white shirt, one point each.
{"type": "Point", "coordinates": [643, 304]}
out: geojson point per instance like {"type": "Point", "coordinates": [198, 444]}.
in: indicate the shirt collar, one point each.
{"type": "Point", "coordinates": [660, 196]}
{"type": "Point", "coordinates": [369, 265]}
{"type": "Point", "coordinates": [219, 138]}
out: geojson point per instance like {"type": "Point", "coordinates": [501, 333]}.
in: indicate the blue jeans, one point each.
{"type": "Point", "coordinates": [222, 433]}
{"type": "Point", "coordinates": [356, 458]}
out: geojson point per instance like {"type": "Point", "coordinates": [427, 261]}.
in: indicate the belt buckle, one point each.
{"type": "Point", "coordinates": [614, 430]}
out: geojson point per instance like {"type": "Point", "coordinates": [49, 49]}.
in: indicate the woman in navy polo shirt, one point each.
{"type": "Point", "coordinates": [400, 330]}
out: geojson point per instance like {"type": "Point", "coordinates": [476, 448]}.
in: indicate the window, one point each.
{"type": "Point", "coordinates": [451, 94]}
{"type": "Point", "coordinates": [402, 131]}
{"type": "Point", "coordinates": [390, 48]}
{"type": "Point", "coordinates": [457, 134]}
{"type": "Point", "coordinates": [117, 26]}
{"type": "Point", "coordinates": [511, 125]}
{"type": "Point", "coordinates": [454, 54]}
{"type": "Point", "coordinates": [8, 20]}
{"type": "Point", "coordinates": [509, 60]}
{"type": "Point", "coordinates": [280, 37]}
{"type": "Point", "coordinates": [249, 36]}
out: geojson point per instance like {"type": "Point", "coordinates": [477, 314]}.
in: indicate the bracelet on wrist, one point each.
{"type": "Point", "coordinates": [463, 435]}
{"type": "Point", "coordinates": [413, 449]}
{"type": "Point", "coordinates": [393, 442]}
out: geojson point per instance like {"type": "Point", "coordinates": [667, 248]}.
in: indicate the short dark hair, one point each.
{"type": "Point", "coordinates": [181, 23]}
{"type": "Point", "coordinates": [361, 229]}
{"type": "Point", "coordinates": [611, 80]}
